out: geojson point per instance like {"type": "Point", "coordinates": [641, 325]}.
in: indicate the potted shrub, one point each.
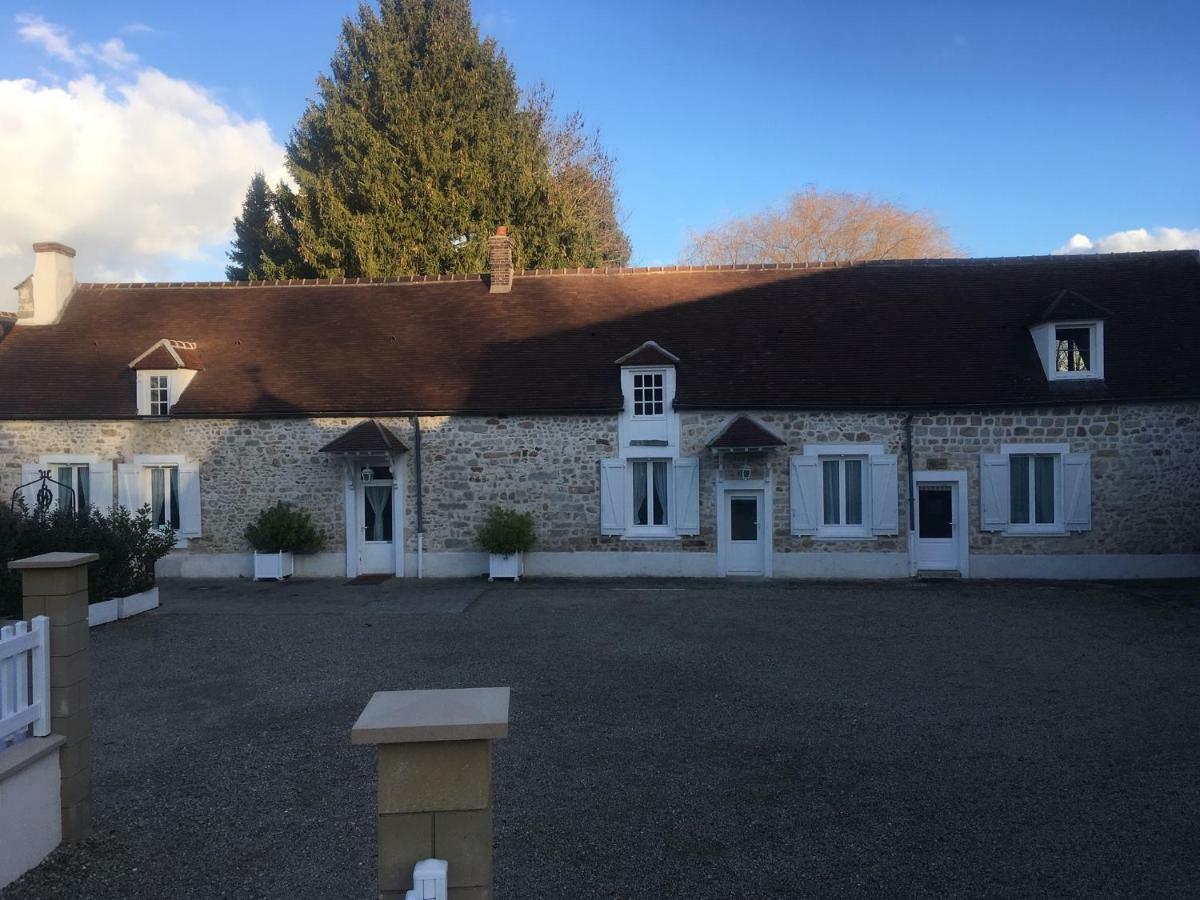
{"type": "Point", "coordinates": [506, 536]}
{"type": "Point", "coordinates": [280, 532]}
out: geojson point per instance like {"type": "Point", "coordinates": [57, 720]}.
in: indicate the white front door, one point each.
{"type": "Point", "coordinates": [937, 528]}
{"type": "Point", "coordinates": [745, 537]}
{"type": "Point", "coordinates": [376, 552]}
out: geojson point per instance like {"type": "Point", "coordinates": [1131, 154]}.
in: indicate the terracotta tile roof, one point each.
{"type": "Point", "coordinates": [877, 335]}
{"type": "Point", "coordinates": [366, 437]}
{"type": "Point", "coordinates": [743, 433]}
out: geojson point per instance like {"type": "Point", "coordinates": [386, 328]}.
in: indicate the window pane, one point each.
{"type": "Point", "coordinates": [640, 511]}
{"type": "Point", "coordinates": [660, 492]}
{"type": "Point", "coordinates": [1043, 477]}
{"type": "Point", "coordinates": [743, 519]}
{"type": "Point", "coordinates": [1073, 349]}
{"type": "Point", "coordinates": [1018, 489]}
{"type": "Point", "coordinates": [83, 487]}
{"type": "Point", "coordinates": [378, 512]}
{"type": "Point", "coordinates": [831, 491]}
{"type": "Point", "coordinates": [934, 515]}
{"type": "Point", "coordinates": [853, 469]}
{"type": "Point", "coordinates": [158, 496]}
{"type": "Point", "coordinates": [174, 497]}
{"type": "Point", "coordinates": [66, 500]}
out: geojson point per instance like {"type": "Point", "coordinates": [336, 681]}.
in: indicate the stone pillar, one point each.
{"type": "Point", "coordinates": [435, 783]}
{"type": "Point", "coordinates": [55, 585]}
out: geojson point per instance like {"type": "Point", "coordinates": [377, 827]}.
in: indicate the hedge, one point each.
{"type": "Point", "coordinates": [128, 545]}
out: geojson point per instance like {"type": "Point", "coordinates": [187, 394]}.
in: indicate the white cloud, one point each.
{"type": "Point", "coordinates": [54, 39]}
{"type": "Point", "coordinates": [137, 28]}
{"type": "Point", "coordinates": [112, 53]}
{"type": "Point", "coordinates": [140, 172]}
{"type": "Point", "coordinates": [1134, 240]}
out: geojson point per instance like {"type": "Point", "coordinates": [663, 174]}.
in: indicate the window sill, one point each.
{"type": "Point", "coordinates": [1035, 532]}
{"type": "Point", "coordinates": [651, 536]}
{"type": "Point", "coordinates": [844, 536]}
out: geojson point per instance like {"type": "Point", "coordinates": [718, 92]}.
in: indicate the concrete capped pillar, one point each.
{"type": "Point", "coordinates": [435, 783]}
{"type": "Point", "coordinates": [55, 585]}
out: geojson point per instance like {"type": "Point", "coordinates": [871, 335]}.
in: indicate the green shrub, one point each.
{"type": "Point", "coordinates": [284, 528]}
{"type": "Point", "coordinates": [128, 545]}
{"type": "Point", "coordinates": [506, 531]}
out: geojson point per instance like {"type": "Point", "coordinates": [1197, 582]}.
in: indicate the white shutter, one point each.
{"type": "Point", "coordinates": [885, 502]}
{"type": "Point", "coordinates": [189, 499]}
{"type": "Point", "coordinates": [143, 393]}
{"type": "Point", "coordinates": [100, 485]}
{"type": "Point", "coordinates": [993, 491]}
{"type": "Point", "coordinates": [129, 486]}
{"type": "Point", "coordinates": [612, 496]}
{"type": "Point", "coordinates": [687, 495]}
{"type": "Point", "coordinates": [1077, 491]}
{"type": "Point", "coordinates": [30, 472]}
{"type": "Point", "coordinates": [805, 493]}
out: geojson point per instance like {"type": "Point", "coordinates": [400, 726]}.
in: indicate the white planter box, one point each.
{"type": "Point", "coordinates": [104, 612]}
{"type": "Point", "coordinates": [122, 607]}
{"type": "Point", "coordinates": [510, 565]}
{"type": "Point", "coordinates": [274, 565]}
{"type": "Point", "coordinates": [139, 603]}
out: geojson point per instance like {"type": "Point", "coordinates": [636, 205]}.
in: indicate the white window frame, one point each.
{"type": "Point", "coordinates": [843, 529]}
{"type": "Point", "coordinates": [1045, 339]}
{"type": "Point", "coordinates": [154, 404]}
{"type": "Point", "coordinates": [1095, 343]}
{"type": "Point", "coordinates": [660, 389]}
{"type": "Point", "coordinates": [1057, 452]}
{"type": "Point", "coordinates": [667, 528]}
{"type": "Point", "coordinates": [148, 461]}
{"type": "Point", "coordinates": [863, 453]}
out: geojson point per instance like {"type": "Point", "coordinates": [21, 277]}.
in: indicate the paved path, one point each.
{"type": "Point", "coordinates": [688, 740]}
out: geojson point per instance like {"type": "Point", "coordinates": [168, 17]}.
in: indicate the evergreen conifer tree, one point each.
{"type": "Point", "coordinates": [252, 232]}
{"type": "Point", "coordinates": [418, 145]}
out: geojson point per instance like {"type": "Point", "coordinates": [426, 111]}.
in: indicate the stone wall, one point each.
{"type": "Point", "coordinates": [1145, 460]}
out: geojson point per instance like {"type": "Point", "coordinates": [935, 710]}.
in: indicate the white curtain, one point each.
{"type": "Point", "coordinates": [641, 515]}
{"type": "Point", "coordinates": [379, 500]}
{"type": "Point", "coordinates": [158, 496]}
{"type": "Point", "coordinates": [660, 492]}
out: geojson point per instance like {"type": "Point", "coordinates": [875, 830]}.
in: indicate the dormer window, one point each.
{"type": "Point", "coordinates": [163, 373]}
{"type": "Point", "coordinates": [160, 395]}
{"type": "Point", "coordinates": [647, 395]}
{"type": "Point", "coordinates": [1068, 335]}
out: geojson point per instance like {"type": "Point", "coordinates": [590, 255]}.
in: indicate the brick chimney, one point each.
{"type": "Point", "coordinates": [43, 296]}
{"type": "Point", "coordinates": [500, 263]}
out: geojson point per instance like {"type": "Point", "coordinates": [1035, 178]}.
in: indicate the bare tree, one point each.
{"type": "Point", "coordinates": [584, 192]}
{"type": "Point", "coordinates": [817, 226]}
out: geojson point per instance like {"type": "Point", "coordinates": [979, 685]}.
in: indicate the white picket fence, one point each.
{"type": "Point", "coordinates": [24, 680]}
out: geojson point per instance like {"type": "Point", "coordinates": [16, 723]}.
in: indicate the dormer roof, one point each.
{"type": "Point", "coordinates": [1068, 305]}
{"type": "Point", "coordinates": [366, 438]}
{"type": "Point", "coordinates": [169, 354]}
{"type": "Point", "coordinates": [648, 354]}
{"type": "Point", "coordinates": [743, 433]}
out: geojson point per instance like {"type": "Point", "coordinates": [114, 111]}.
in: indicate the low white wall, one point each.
{"type": "Point", "coordinates": [840, 565]}
{"type": "Point", "coordinates": [667, 564]}
{"type": "Point", "coordinates": [181, 564]}
{"type": "Point", "coordinates": [1087, 566]}
{"type": "Point", "coordinates": [30, 807]}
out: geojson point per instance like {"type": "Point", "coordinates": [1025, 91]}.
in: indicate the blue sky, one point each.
{"type": "Point", "coordinates": [1018, 125]}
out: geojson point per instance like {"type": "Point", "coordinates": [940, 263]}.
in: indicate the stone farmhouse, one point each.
{"type": "Point", "coordinates": [1028, 417]}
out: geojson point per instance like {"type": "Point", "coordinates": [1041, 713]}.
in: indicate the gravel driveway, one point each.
{"type": "Point", "coordinates": [668, 740]}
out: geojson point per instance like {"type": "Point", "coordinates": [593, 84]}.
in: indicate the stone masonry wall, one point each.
{"type": "Point", "coordinates": [1145, 462]}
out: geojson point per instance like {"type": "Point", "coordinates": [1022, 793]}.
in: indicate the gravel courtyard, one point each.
{"type": "Point", "coordinates": [668, 739]}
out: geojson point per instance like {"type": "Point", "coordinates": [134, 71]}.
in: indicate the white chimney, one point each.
{"type": "Point", "coordinates": [53, 281]}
